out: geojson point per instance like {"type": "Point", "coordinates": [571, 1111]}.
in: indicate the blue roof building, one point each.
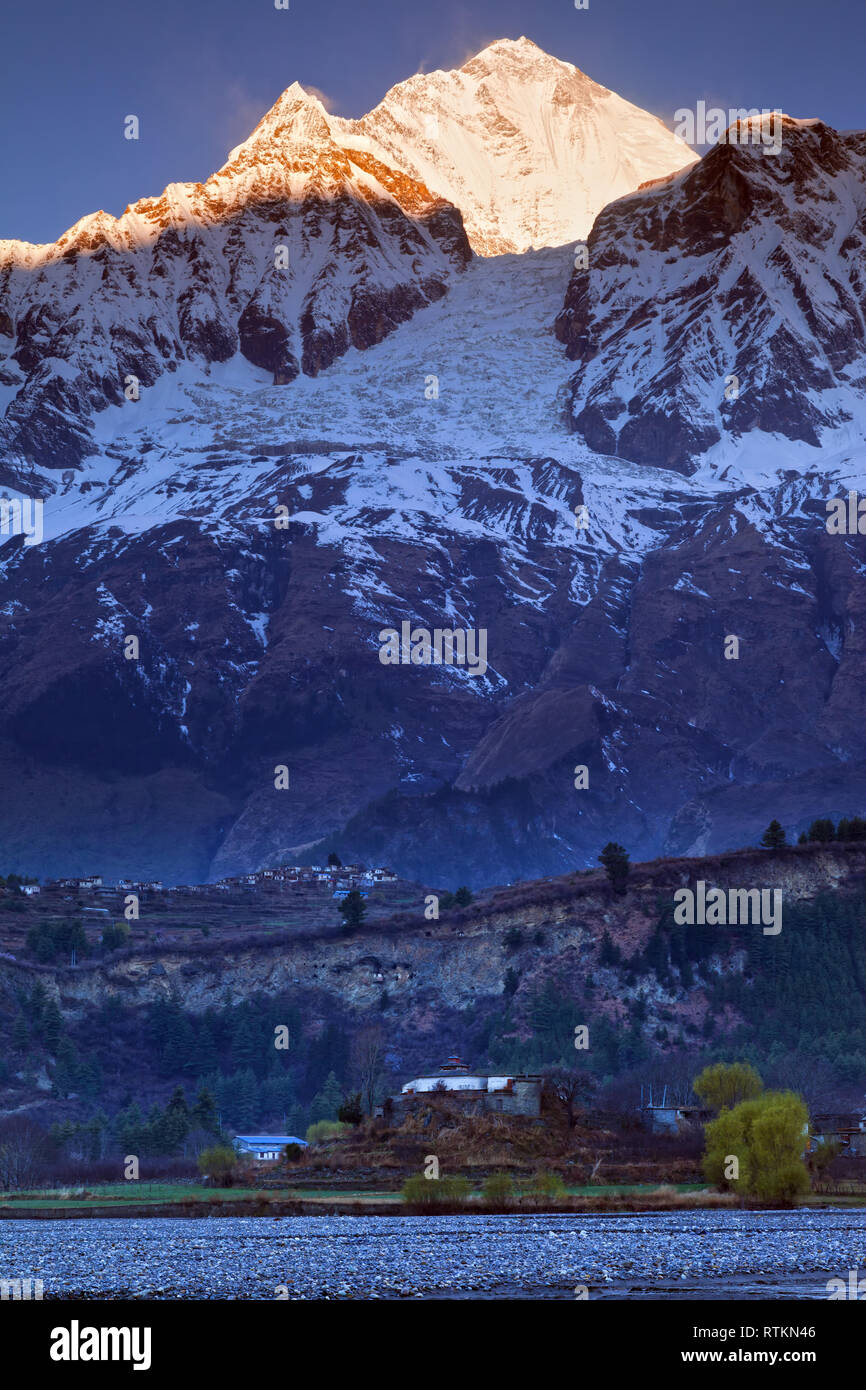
{"type": "Point", "coordinates": [265, 1146]}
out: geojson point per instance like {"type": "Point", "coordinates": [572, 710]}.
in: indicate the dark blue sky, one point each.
{"type": "Point", "coordinates": [198, 75]}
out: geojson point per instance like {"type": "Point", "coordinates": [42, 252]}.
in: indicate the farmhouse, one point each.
{"type": "Point", "coordinates": [671, 1119]}
{"type": "Point", "coordinates": [265, 1147]}
{"type": "Point", "coordinates": [848, 1130]}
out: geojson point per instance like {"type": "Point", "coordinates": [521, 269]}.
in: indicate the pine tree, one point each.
{"type": "Point", "coordinates": [328, 1101]}
{"type": "Point", "coordinates": [246, 1098]}
{"type": "Point", "coordinates": [153, 1136]}
{"type": "Point", "coordinates": [328, 1052]}
{"type": "Point", "coordinates": [130, 1129]}
{"type": "Point", "coordinates": [66, 1072]}
{"type": "Point", "coordinates": [205, 1050]}
{"type": "Point", "coordinates": [169, 1031]}
{"type": "Point", "coordinates": [821, 831]}
{"type": "Point", "coordinates": [609, 953]}
{"type": "Point", "coordinates": [774, 836]}
{"type": "Point", "coordinates": [37, 1004]}
{"type": "Point", "coordinates": [352, 910]}
{"type": "Point", "coordinates": [176, 1121]}
{"type": "Point", "coordinates": [297, 1120]}
{"type": "Point", "coordinates": [616, 866]}
{"type": "Point", "coordinates": [247, 1048]}
{"type": "Point", "coordinates": [20, 1034]}
{"type": "Point", "coordinates": [52, 1026]}
{"type": "Point", "coordinates": [204, 1112]}
{"type": "Point", "coordinates": [96, 1129]}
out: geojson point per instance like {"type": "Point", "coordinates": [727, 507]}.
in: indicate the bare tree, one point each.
{"type": "Point", "coordinates": [21, 1147]}
{"type": "Point", "coordinates": [570, 1089]}
{"type": "Point", "coordinates": [368, 1057]}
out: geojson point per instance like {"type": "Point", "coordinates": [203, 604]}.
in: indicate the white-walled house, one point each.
{"type": "Point", "coordinates": [516, 1094]}
{"type": "Point", "coordinates": [265, 1147]}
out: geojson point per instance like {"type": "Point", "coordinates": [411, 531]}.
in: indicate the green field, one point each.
{"type": "Point", "coordinates": [120, 1193]}
{"type": "Point", "coordinates": [157, 1194]}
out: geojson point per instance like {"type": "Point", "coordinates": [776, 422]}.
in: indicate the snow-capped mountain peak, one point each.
{"type": "Point", "coordinates": [526, 145]}
{"type": "Point", "coordinates": [296, 117]}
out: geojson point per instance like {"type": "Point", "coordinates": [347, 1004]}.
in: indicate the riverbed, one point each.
{"type": "Point", "coordinates": [709, 1254]}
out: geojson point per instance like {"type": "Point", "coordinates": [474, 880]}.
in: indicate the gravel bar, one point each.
{"type": "Point", "coordinates": [341, 1257]}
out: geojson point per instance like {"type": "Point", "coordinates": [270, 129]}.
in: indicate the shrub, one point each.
{"type": "Point", "coordinates": [548, 1185]}
{"type": "Point", "coordinates": [114, 936]}
{"type": "Point", "coordinates": [219, 1163]}
{"type": "Point", "coordinates": [351, 1112]}
{"type": "Point", "coordinates": [428, 1193]}
{"type": "Point", "coordinates": [292, 1152]}
{"type": "Point", "coordinates": [498, 1187]}
{"type": "Point", "coordinates": [323, 1130]}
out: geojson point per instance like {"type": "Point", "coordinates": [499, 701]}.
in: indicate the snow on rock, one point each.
{"type": "Point", "coordinates": [728, 301]}
{"type": "Point", "coordinates": [527, 146]}
{"type": "Point", "coordinates": [295, 251]}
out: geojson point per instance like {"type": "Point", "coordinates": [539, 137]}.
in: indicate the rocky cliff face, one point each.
{"type": "Point", "coordinates": [442, 982]}
{"type": "Point", "coordinates": [726, 300]}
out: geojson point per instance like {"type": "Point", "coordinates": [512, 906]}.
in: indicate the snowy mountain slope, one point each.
{"type": "Point", "coordinates": [316, 235]}
{"type": "Point", "coordinates": [727, 300]}
{"type": "Point", "coordinates": [527, 146]}
{"type": "Point", "coordinates": [259, 646]}
{"type": "Point", "coordinates": [431, 474]}
{"type": "Point", "coordinates": [293, 252]}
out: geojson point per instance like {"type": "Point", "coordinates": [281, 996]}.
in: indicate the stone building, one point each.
{"type": "Point", "coordinates": [509, 1093]}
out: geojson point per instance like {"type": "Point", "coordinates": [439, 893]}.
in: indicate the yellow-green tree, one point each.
{"type": "Point", "coordinates": [726, 1157]}
{"type": "Point", "coordinates": [725, 1084]}
{"type": "Point", "coordinates": [218, 1163]}
{"type": "Point", "coordinates": [757, 1147]}
{"type": "Point", "coordinates": [779, 1135]}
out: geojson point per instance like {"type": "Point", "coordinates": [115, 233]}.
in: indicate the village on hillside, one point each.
{"type": "Point", "coordinates": [293, 896]}
{"type": "Point", "coordinates": [341, 878]}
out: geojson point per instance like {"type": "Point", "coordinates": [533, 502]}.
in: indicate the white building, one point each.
{"type": "Point", "coordinates": [265, 1147]}
{"type": "Point", "coordinates": [517, 1094]}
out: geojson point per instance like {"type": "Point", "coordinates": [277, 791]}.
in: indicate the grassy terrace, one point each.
{"type": "Point", "coordinates": [169, 1199]}
{"type": "Point", "coordinates": [157, 1193]}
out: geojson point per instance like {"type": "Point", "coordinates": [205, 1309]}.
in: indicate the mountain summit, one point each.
{"type": "Point", "coordinates": [527, 146]}
{"type": "Point", "coordinates": [317, 235]}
